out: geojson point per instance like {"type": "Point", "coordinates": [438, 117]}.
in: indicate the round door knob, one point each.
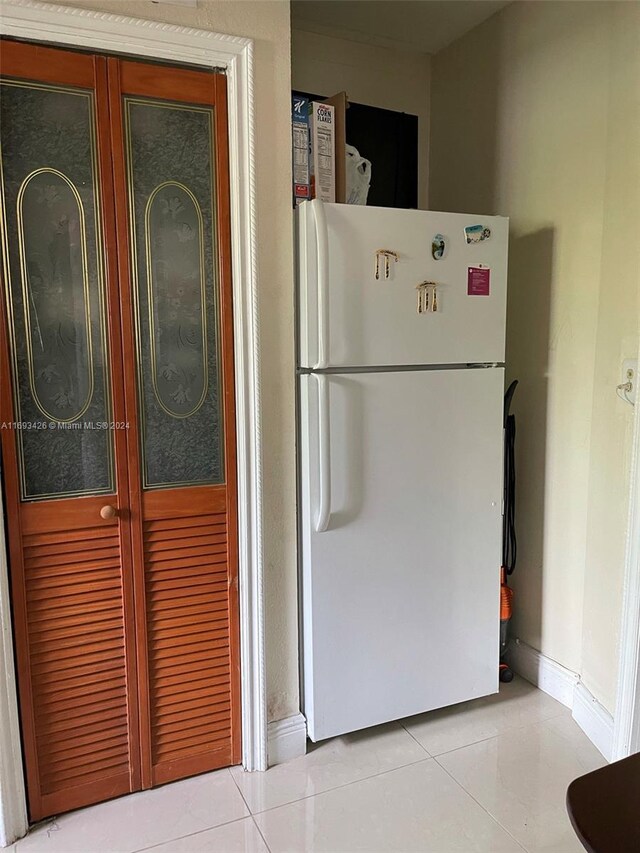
{"type": "Point", "coordinates": [108, 512]}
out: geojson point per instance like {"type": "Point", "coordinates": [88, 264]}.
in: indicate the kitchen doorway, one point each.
{"type": "Point", "coordinates": [119, 452]}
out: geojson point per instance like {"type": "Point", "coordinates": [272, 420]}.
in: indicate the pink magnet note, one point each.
{"type": "Point", "coordinates": [478, 281]}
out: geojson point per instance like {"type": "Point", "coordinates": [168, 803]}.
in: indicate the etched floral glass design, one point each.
{"type": "Point", "coordinates": [55, 291]}
{"type": "Point", "coordinates": [177, 307]}
{"type": "Point", "coordinates": [171, 180]}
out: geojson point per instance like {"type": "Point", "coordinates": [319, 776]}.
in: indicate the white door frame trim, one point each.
{"type": "Point", "coordinates": [13, 803]}
{"type": "Point", "coordinates": [101, 31]}
{"type": "Point", "coordinates": [626, 730]}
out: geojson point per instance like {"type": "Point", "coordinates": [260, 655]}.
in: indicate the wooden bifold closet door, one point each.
{"type": "Point", "coordinates": [118, 422]}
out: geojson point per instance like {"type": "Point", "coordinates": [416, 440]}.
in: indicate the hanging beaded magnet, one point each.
{"type": "Point", "coordinates": [386, 255]}
{"type": "Point", "coordinates": [427, 297]}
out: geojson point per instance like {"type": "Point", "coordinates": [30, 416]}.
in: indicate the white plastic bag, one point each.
{"type": "Point", "coordinates": [358, 176]}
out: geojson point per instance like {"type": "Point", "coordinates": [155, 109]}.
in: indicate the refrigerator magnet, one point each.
{"type": "Point", "coordinates": [478, 281]}
{"type": "Point", "coordinates": [438, 247]}
{"type": "Point", "coordinates": [386, 255]}
{"type": "Point", "coordinates": [427, 297]}
{"type": "Point", "coordinates": [476, 233]}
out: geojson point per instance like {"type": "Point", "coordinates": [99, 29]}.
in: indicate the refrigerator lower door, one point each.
{"type": "Point", "coordinates": [401, 486]}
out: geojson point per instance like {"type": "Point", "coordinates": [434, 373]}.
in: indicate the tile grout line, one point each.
{"type": "Point", "coordinates": [282, 805]}
{"type": "Point", "coordinates": [239, 790]}
{"type": "Point", "coordinates": [47, 824]}
{"type": "Point", "coordinates": [344, 785]}
{"type": "Point", "coordinates": [484, 739]}
{"type": "Point", "coordinates": [417, 741]}
{"type": "Point", "coordinates": [466, 745]}
{"type": "Point", "coordinates": [455, 748]}
{"type": "Point", "coordinates": [500, 734]}
{"type": "Point", "coordinates": [200, 831]}
{"type": "Point", "coordinates": [52, 820]}
{"type": "Point", "coordinates": [260, 832]}
{"type": "Point", "coordinates": [401, 726]}
{"type": "Point", "coordinates": [486, 811]}
{"type": "Point", "coordinates": [188, 835]}
{"type": "Point", "coordinates": [251, 815]}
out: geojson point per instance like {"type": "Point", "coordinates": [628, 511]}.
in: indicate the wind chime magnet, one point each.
{"type": "Point", "coordinates": [427, 300]}
{"type": "Point", "coordinates": [422, 305]}
{"type": "Point", "coordinates": [386, 255]}
{"type": "Point", "coordinates": [438, 247]}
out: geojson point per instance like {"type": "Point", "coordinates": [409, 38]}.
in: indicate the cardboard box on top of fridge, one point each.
{"type": "Point", "coordinates": [340, 104]}
{"type": "Point", "coordinates": [301, 148]}
{"type": "Point", "coordinates": [323, 152]}
{"type": "Point", "coordinates": [301, 109]}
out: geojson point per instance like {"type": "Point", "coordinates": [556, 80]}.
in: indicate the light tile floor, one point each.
{"type": "Point", "coordinates": [488, 776]}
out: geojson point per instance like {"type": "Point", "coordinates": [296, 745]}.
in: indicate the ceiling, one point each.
{"type": "Point", "coordinates": [423, 25]}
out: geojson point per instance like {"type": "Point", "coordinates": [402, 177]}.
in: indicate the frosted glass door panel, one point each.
{"type": "Point", "coordinates": [55, 291]}
{"type": "Point", "coordinates": [175, 289]}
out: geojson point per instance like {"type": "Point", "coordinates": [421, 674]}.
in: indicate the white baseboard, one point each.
{"type": "Point", "coordinates": [594, 720]}
{"type": "Point", "coordinates": [286, 739]}
{"type": "Point", "coordinates": [564, 685]}
{"type": "Point", "coordinates": [549, 676]}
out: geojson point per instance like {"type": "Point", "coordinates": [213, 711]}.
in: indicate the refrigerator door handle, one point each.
{"type": "Point", "coordinates": [324, 454]}
{"type": "Point", "coordinates": [322, 246]}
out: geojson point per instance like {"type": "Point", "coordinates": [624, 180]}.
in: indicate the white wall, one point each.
{"type": "Point", "coordinates": [535, 115]}
{"type": "Point", "coordinates": [379, 77]}
{"type": "Point", "coordinates": [268, 23]}
{"type": "Point", "coordinates": [617, 338]}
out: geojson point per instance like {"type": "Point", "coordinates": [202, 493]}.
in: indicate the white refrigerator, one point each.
{"type": "Point", "coordinates": [400, 460]}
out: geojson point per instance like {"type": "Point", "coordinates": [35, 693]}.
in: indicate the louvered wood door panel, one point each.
{"type": "Point", "coordinates": [117, 398]}
{"type": "Point", "coordinates": [61, 392]}
{"type": "Point", "coordinates": [188, 600]}
{"type": "Point", "coordinates": [76, 635]}
{"type": "Point", "coordinates": [173, 210]}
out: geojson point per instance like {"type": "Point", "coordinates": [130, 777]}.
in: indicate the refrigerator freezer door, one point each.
{"type": "Point", "coordinates": [350, 318]}
{"type": "Point", "coordinates": [400, 592]}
